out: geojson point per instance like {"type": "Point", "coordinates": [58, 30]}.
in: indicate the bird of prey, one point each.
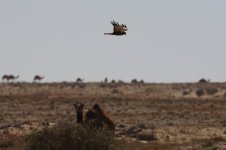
{"type": "Point", "coordinates": [117, 29]}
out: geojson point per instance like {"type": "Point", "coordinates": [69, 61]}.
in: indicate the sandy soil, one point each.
{"type": "Point", "coordinates": [183, 115]}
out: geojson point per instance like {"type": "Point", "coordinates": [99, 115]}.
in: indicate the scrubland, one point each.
{"type": "Point", "coordinates": [147, 115]}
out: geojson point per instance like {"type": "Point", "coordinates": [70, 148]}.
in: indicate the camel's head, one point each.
{"type": "Point", "coordinates": [79, 107]}
{"type": "Point", "coordinates": [97, 108]}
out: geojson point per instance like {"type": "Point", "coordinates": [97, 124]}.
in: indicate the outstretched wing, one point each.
{"type": "Point", "coordinates": [118, 28]}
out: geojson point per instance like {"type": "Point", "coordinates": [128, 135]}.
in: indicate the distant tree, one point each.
{"type": "Point", "coordinates": [106, 80]}
{"type": "Point", "coordinates": [142, 81]}
{"type": "Point", "coordinates": [204, 80]}
{"type": "Point", "coordinates": [134, 81]}
{"type": "Point", "coordinates": [121, 82]}
{"type": "Point", "coordinates": [113, 81]}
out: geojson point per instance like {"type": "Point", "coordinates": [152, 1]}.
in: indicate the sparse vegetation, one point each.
{"type": "Point", "coordinates": [6, 144]}
{"type": "Point", "coordinates": [27, 106]}
{"type": "Point", "coordinates": [103, 85]}
{"type": "Point", "coordinates": [66, 135]}
{"type": "Point", "coordinates": [115, 91]}
{"type": "Point", "coordinates": [141, 81]}
{"type": "Point", "coordinates": [113, 81]}
{"type": "Point", "coordinates": [81, 85]}
{"type": "Point", "coordinates": [186, 92]}
{"type": "Point", "coordinates": [211, 90]}
{"type": "Point", "coordinates": [200, 92]}
{"type": "Point", "coordinates": [121, 82]}
{"type": "Point", "coordinates": [203, 80]}
{"type": "Point", "coordinates": [134, 81]}
{"type": "Point", "coordinates": [105, 80]}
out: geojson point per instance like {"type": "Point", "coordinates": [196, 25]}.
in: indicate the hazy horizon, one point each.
{"type": "Point", "coordinates": [167, 41]}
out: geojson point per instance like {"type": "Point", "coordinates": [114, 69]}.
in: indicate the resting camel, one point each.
{"type": "Point", "coordinates": [95, 117]}
{"type": "Point", "coordinates": [38, 78]}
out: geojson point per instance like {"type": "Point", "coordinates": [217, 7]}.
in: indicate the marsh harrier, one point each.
{"type": "Point", "coordinates": [118, 29]}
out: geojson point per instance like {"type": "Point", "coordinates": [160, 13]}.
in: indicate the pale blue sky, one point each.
{"type": "Point", "coordinates": [167, 40]}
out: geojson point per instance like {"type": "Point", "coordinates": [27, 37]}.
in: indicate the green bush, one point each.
{"type": "Point", "coordinates": [200, 92]}
{"type": "Point", "coordinates": [6, 144]}
{"type": "Point", "coordinates": [115, 91]}
{"type": "Point", "coordinates": [67, 136]}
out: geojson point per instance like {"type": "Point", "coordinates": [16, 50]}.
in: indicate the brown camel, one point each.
{"type": "Point", "coordinates": [38, 78]}
{"type": "Point", "coordinates": [5, 77]}
{"type": "Point", "coordinates": [79, 80]}
{"type": "Point", "coordinates": [95, 117]}
{"type": "Point", "coordinates": [103, 119]}
{"type": "Point", "coordinates": [12, 77]}
{"type": "Point", "coordinates": [79, 112]}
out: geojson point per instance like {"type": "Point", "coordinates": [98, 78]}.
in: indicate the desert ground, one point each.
{"type": "Point", "coordinates": [181, 116]}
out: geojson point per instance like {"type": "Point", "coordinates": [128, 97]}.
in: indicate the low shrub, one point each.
{"type": "Point", "coordinates": [186, 92]}
{"type": "Point", "coordinates": [200, 92]}
{"type": "Point", "coordinates": [115, 91]}
{"type": "Point", "coordinates": [68, 136]}
{"type": "Point", "coordinates": [134, 81]}
{"type": "Point", "coordinates": [6, 144]}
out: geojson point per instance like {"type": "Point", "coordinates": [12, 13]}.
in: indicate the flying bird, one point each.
{"type": "Point", "coordinates": [117, 29]}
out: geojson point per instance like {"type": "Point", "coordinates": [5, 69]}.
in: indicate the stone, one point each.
{"type": "Point", "coordinates": [141, 126]}
{"type": "Point", "coordinates": [146, 135]}
{"type": "Point", "coordinates": [132, 130]}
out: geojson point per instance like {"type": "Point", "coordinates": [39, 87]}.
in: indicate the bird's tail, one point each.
{"type": "Point", "coordinates": [107, 33]}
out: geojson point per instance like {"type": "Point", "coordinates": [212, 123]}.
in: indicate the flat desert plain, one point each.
{"type": "Point", "coordinates": [147, 115]}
